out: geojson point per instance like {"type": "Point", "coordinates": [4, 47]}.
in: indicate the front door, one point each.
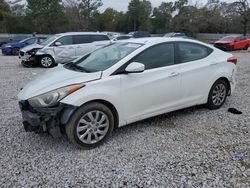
{"type": "Point", "coordinates": [154, 91]}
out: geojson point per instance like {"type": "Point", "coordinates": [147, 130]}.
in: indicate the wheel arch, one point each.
{"type": "Point", "coordinates": [110, 106]}
{"type": "Point", "coordinates": [225, 79]}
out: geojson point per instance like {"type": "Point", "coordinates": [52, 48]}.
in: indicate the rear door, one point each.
{"type": "Point", "coordinates": [196, 73]}
{"type": "Point", "coordinates": [66, 51]}
{"type": "Point", "coordinates": [100, 41]}
{"type": "Point", "coordinates": [83, 44]}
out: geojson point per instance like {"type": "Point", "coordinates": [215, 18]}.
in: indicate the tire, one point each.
{"type": "Point", "coordinates": [246, 47]}
{"type": "Point", "coordinates": [90, 125]}
{"type": "Point", "coordinates": [230, 48]}
{"type": "Point", "coordinates": [27, 64]}
{"type": "Point", "coordinates": [15, 51]}
{"type": "Point", "coordinates": [218, 94]}
{"type": "Point", "coordinates": [46, 61]}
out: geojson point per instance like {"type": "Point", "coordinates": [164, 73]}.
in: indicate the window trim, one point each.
{"type": "Point", "coordinates": [178, 51]}
{"type": "Point", "coordinates": [121, 69]}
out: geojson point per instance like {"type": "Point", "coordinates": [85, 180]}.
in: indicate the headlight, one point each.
{"type": "Point", "coordinates": [8, 46]}
{"type": "Point", "coordinates": [33, 51]}
{"type": "Point", "coordinates": [53, 97]}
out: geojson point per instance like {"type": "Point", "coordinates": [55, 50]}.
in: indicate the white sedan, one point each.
{"type": "Point", "coordinates": [123, 83]}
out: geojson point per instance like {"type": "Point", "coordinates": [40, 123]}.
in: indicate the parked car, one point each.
{"type": "Point", "coordinates": [14, 47]}
{"type": "Point", "coordinates": [123, 83]}
{"type": "Point", "coordinates": [62, 48]}
{"type": "Point", "coordinates": [122, 37]}
{"type": "Point", "coordinates": [233, 42]}
{"type": "Point", "coordinates": [139, 34]}
{"type": "Point", "coordinates": [175, 35]}
{"type": "Point", "coordinates": [16, 38]}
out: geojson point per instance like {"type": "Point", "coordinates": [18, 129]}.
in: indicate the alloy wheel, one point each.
{"type": "Point", "coordinates": [92, 127]}
{"type": "Point", "coordinates": [46, 61]}
{"type": "Point", "coordinates": [219, 94]}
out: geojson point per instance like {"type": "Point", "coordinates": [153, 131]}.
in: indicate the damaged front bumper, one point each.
{"type": "Point", "coordinates": [49, 119]}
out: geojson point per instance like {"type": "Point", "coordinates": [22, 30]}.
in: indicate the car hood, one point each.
{"type": "Point", "coordinates": [223, 42]}
{"type": "Point", "coordinates": [12, 44]}
{"type": "Point", "coordinates": [32, 46]}
{"type": "Point", "coordinates": [53, 79]}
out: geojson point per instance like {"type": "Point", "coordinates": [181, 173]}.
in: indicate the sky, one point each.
{"type": "Point", "coordinates": [122, 5]}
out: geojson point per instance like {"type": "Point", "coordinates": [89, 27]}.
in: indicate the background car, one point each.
{"type": "Point", "coordinates": [62, 48]}
{"type": "Point", "coordinates": [14, 47]}
{"type": "Point", "coordinates": [16, 38]}
{"type": "Point", "coordinates": [122, 37]}
{"type": "Point", "coordinates": [233, 42]}
{"type": "Point", "coordinates": [125, 82]}
{"type": "Point", "coordinates": [139, 34]}
{"type": "Point", "coordinates": [175, 35]}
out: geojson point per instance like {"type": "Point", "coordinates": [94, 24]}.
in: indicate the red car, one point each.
{"type": "Point", "coordinates": [234, 42]}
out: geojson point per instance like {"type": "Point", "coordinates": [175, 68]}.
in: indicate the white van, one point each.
{"type": "Point", "coordinates": [62, 48]}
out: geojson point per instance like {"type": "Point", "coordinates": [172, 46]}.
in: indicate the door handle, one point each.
{"type": "Point", "coordinates": [173, 74]}
{"type": "Point", "coordinates": [212, 64]}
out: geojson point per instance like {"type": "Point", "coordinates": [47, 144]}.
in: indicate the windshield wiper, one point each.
{"type": "Point", "coordinates": [75, 67]}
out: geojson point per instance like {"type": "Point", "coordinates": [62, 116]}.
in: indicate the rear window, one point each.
{"type": "Point", "coordinates": [192, 52]}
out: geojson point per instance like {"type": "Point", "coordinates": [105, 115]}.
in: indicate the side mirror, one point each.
{"type": "Point", "coordinates": [135, 67]}
{"type": "Point", "coordinates": [58, 43]}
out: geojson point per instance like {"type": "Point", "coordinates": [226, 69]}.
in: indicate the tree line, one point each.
{"type": "Point", "coordinates": [54, 16]}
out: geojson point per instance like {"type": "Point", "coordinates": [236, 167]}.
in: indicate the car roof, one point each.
{"type": "Point", "coordinates": [155, 40]}
{"type": "Point", "coordinates": [81, 33]}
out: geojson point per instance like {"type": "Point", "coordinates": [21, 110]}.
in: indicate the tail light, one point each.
{"type": "Point", "coordinates": [232, 60]}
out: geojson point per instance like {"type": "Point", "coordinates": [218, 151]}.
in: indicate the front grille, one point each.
{"type": "Point", "coordinates": [21, 53]}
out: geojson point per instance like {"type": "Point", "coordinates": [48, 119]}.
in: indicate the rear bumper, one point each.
{"type": "Point", "coordinates": [40, 120]}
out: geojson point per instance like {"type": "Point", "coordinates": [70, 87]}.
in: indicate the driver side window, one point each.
{"type": "Point", "coordinates": [157, 56]}
{"type": "Point", "coordinates": [66, 40]}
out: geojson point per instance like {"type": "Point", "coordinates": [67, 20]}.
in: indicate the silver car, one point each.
{"type": "Point", "coordinates": [62, 48]}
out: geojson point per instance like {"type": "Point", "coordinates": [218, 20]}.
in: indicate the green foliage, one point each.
{"type": "Point", "coordinates": [138, 15]}
{"type": "Point", "coordinates": [47, 16]}
{"type": "Point", "coordinates": [88, 9]}
{"type": "Point", "coordinates": [54, 16]}
{"type": "Point", "coordinates": [4, 10]}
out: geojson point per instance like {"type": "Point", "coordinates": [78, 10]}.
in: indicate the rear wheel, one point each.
{"type": "Point", "coordinates": [218, 94]}
{"type": "Point", "coordinates": [90, 125]}
{"type": "Point", "coordinates": [46, 61]}
{"type": "Point", "coordinates": [15, 51]}
{"type": "Point", "coordinates": [246, 47]}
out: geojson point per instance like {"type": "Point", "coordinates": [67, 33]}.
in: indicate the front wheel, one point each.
{"type": "Point", "coordinates": [90, 125]}
{"type": "Point", "coordinates": [15, 51]}
{"type": "Point", "coordinates": [46, 61]}
{"type": "Point", "coordinates": [218, 94]}
{"type": "Point", "coordinates": [27, 64]}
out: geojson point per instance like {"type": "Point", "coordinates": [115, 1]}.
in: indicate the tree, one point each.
{"type": "Point", "coordinates": [47, 16]}
{"type": "Point", "coordinates": [88, 9]}
{"type": "Point", "coordinates": [5, 12]}
{"type": "Point", "coordinates": [138, 15]}
{"type": "Point", "coordinates": [241, 7]}
{"type": "Point", "coordinates": [162, 18]}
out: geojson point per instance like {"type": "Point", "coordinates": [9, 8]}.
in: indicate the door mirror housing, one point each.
{"type": "Point", "coordinates": [58, 43]}
{"type": "Point", "coordinates": [135, 67]}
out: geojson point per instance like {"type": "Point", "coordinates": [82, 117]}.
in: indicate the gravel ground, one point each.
{"type": "Point", "coordinates": [194, 147]}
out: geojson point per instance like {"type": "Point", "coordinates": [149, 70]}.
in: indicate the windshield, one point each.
{"type": "Point", "coordinates": [24, 40]}
{"type": "Point", "coordinates": [227, 38]}
{"type": "Point", "coordinates": [106, 57]}
{"type": "Point", "coordinates": [49, 40]}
